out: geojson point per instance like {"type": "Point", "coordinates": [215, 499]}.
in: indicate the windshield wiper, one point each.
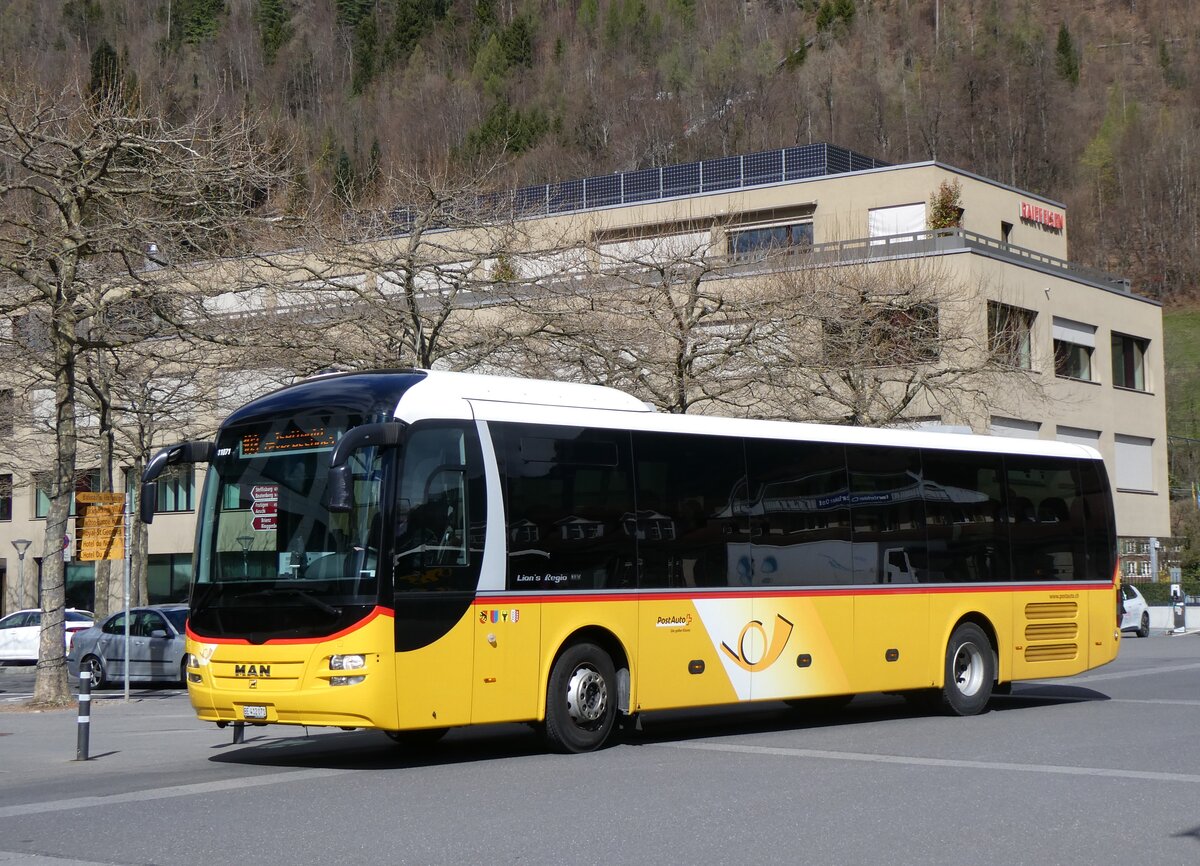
{"type": "Point", "coordinates": [300, 594]}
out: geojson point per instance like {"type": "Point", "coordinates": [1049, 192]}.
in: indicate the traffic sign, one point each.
{"type": "Point", "coordinates": [264, 492]}
{"type": "Point", "coordinates": [264, 507]}
{"type": "Point", "coordinates": [264, 524]}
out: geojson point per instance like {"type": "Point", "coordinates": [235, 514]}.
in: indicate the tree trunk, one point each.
{"type": "Point", "coordinates": [50, 684]}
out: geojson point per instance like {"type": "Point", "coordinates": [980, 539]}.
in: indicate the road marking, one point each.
{"type": "Point", "coordinates": [161, 793]}
{"type": "Point", "coordinates": [19, 857]}
{"type": "Point", "coordinates": [1117, 675]}
{"type": "Point", "coordinates": [905, 760]}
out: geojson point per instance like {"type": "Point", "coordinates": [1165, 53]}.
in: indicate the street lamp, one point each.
{"type": "Point", "coordinates": [245, 541]}
{"type": "Point", "coordinates": [21, 545]}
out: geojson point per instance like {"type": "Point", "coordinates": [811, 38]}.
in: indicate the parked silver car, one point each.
{"type": "Point", "coordinates": [156, 646]}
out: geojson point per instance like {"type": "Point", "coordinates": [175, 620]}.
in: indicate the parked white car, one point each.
{"type": "Point", "coordinates": [21, 631]}
{"type": "Point", "coordinates": [1137, 613]}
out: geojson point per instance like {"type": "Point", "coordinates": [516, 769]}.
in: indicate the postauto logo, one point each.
{"type": "Point", "coordinates": [754, 636]}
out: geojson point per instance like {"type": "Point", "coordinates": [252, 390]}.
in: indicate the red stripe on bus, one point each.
{"type": "Point", "coordinates": [377, 611]}
{"type": "Point", "coordinates": [576, 597]}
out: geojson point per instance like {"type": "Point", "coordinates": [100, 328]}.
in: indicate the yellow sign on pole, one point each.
{"type": "Point", "coordinates": [100, 526]}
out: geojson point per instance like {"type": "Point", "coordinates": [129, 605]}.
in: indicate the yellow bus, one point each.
{"type": "Point", "coordinates": [417, 550]}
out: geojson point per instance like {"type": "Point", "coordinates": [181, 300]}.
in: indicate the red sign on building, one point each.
{"type": "Point", "coordinates": [1043, 216]}
{"type": "Point", "coordinates": [265, 524]}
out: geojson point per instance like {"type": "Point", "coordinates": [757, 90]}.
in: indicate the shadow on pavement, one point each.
{"type": "Point", "coordinates": [372, 750]}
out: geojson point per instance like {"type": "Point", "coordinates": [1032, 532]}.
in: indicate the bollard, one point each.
{"type": "Point", "coordinates": [85, 713]}
{"type": "Point", "coordinates": [239, 732]}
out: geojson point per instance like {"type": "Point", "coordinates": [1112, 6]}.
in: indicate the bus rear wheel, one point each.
{"type": "Point", "coordinates": [581, 700]}
{"type": "Point", "coordinates": [970, 671]}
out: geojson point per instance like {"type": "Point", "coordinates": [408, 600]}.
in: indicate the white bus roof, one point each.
{"type": "Point", "coordinates": [444, 394]}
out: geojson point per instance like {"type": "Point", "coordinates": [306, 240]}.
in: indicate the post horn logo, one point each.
{"type": "Point", "coordinates": [747, 657]}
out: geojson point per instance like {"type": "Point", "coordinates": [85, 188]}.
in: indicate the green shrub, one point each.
{"type": "Point", "coordinates": [1160, 593]}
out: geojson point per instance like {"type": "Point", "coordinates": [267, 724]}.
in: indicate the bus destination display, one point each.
{"type": "Point", "coordinates": [280, 441]}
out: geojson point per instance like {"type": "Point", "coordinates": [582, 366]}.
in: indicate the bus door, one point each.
{"type": "Point", "coordinates": [435, 571]}
{"type": "Point", "coordinates": [888, 531]}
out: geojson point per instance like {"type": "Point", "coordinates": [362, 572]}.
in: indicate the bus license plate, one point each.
{"type": "Point", "coordinates": [254, 712]}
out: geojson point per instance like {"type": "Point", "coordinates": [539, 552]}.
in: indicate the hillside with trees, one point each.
{"type": "Point", "coordinates": [1095, 103]}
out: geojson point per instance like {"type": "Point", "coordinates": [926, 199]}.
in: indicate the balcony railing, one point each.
{"type": "Point", "coordinates": [926, 243]}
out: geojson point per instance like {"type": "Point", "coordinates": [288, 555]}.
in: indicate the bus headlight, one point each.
{"type": "Point", "coordinates": [347, 663]}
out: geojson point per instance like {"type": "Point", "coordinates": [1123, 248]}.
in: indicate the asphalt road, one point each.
{"type": "Point", "coordinates": [1102, 768]}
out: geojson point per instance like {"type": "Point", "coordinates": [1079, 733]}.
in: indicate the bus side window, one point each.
{"type": "Point", "coordinates": [968, 525]}
{"type": "Point", "coordinates": [440, 485]}
{"type": "Point", "coordinates": [569, 507]}
{"type": "Point", "coordinates": [1049, 535]}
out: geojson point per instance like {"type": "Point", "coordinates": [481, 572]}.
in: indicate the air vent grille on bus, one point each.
{"type": "Point", "coordinates": [1055, 652]}
{"type": "Point", "coordinates": [1052, 631]}
{"type": "Point", "coordinates": [1051, 610]}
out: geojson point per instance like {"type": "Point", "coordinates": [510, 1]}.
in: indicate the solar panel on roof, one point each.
{"type": "Point", "coordinates": [642, 185]}
{"type": "Point", "coordinates": [760, 168]}
{"type": "Point", "coordinates": [672, 181]}
{"type": "Point", "coordinates": [681, 179]}
{"type": "Point", "coordinates": [603, 191]}
{"type": "Point", "coordinates": [566, 196]}
{"type": "Point", "coordinates": [530, 200]}
{"type": "Point", "coordinates": [836, 160]}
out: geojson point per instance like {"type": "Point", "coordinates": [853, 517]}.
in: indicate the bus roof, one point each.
{"type": "Point", "coordinates": [506, 398]}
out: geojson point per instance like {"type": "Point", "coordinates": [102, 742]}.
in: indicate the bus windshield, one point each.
{"type": "Point", "coordinates": [272, 560]}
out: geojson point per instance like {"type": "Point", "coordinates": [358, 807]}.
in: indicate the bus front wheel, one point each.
{"type": "Point", "coordinates": [970, 671]}
{"type": "Point", "coordinates": [581, 700]}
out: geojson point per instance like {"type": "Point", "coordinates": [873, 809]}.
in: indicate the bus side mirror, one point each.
{"type": "Point", "coordinates": [200, 451]}
{"type": "Point", "coordinates": [340, 491]}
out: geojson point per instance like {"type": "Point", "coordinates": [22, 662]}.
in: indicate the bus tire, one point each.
{"type": "Point", "coordinates": [970, 671]}
{"type": "Point", "coordinates": [581, 700]}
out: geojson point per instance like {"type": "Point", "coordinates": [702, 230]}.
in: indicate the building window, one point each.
{"type": "Point", "coordinates": [6, 494]}
{"type": "Point", "coordinates": [1014, 427]}
{"type": "Point", "coordinates": [6, 413]}
{"type": "Point", "coordinates": [1010, 335]}
{"type": "Point", "coordinates": [167, 576]}
{"type": "Point", "coordinates": [176, 491]}
{"type": "Point", "coordinates": [1135, 463]}
{"type": "Point", "coordinates": [1129, 361]}
{"type": "Point", "coordinates": [901, 223]}
{"type": "Point", "coordinates": [762, 240]}
{"type": "Point", "coordinates": [85, 482]}
{"type": "Point", "coordinates": [1074, 343]}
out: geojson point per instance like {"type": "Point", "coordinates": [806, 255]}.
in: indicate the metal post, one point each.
{"type": "Point", "coordinates": [239, 733]}
{"type": "Point", "coordinates": [85, 714]}
{"type": "Point", "coordinates": [126, 570]}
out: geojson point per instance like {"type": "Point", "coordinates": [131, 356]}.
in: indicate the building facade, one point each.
{"type": "Point", "coordinates": [1092, 347]}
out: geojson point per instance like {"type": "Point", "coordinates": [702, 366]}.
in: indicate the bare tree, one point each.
{"type": "Point", "coordinates": [665, 318]}
{"type": "Point", "coordinates": [382, 288]}
{"type": "Point", "coordinates": [881, 343]}
{"type": "Point", "coordinates": [92, 192]}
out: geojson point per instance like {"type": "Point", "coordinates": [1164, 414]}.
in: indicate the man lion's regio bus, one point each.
{"type": "Point", "coordinates": [414, 550]}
